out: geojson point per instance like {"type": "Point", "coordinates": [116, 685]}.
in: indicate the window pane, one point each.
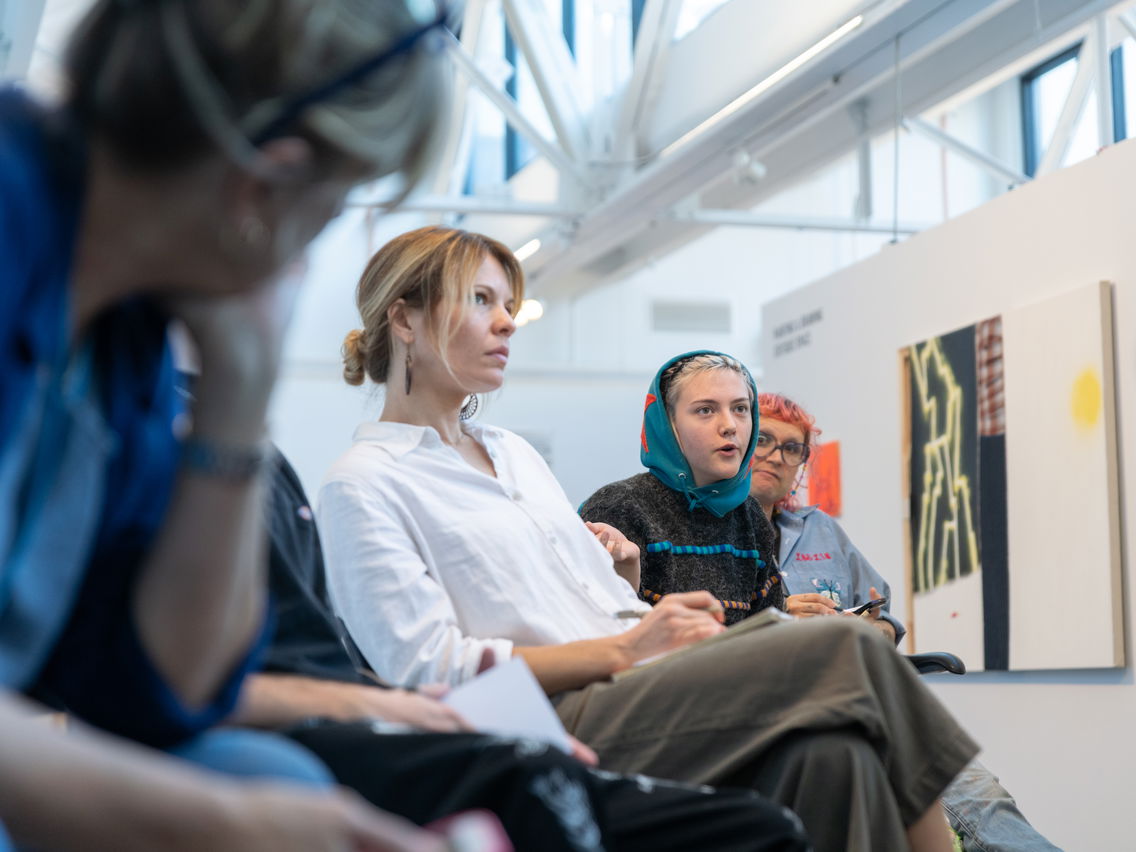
{"type": "Point", "coordinates": [487, 151]}
{"type": "Point", "coordinates": [603, 48]}
{"type": "Point", "coordinates": [1128, 60]}
{"type": "Point", "coordinates": [524, 89]}
{"type": "Point", "coordinates": [532, 107]}
{"type": "Point", "coordinates": [1086, 140]}
{"type": "Point", "coordinates": [1050, 91]}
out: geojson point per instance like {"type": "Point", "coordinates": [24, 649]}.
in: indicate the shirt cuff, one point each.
{"type": "Point", "coordinates": [490, 652]}
{"type": "Point", "coordinates": [900, 630]}
{"type": "Point", "coordinates": [144, 707]}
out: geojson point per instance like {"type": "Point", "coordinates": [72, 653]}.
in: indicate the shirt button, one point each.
{"type": "Point", "coordinates": [552, 539]}
{"type": "Point", "coordinates": [516, 495]}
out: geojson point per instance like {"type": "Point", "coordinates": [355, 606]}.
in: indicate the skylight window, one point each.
{"type": "Point", "coordinates": [693, 13]}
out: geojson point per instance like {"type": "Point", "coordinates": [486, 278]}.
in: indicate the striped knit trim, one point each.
{"type": "Point", "coordinates": [773, 580]}
{"type": "Point", "coordinates": [704, 550]}
{"type": "Point", "coordinates": [655, 597]}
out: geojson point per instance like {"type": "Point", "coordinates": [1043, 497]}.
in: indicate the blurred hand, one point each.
{"type": "Point", "coordinates": [583, 753]}
{"type": "Point", "coordinates": [677, 620]}
{"type": "Point", "coordinates": [810, 604]}
{"type": "Point", "coordinates": [264, 818]}
{"type": "Point", "coordinates": [874, 616]}
{"type": "Point", "coordinates": [614, 542]}
{"type": "Point", "coordinates": [242, 331]}
{"type": "Point", "coordinates": [419, 710]}
{"type": "Point", "coordinates": [353, 702]}
{"type": "Point", "coordinates": [239, 339]}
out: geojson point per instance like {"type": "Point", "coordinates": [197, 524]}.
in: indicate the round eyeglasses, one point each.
{"type": "Point", "coordinates": [793, 453]}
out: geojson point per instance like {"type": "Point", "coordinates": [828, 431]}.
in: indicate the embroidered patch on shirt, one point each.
{"type": "Point", "coordinates": [829, 588]}
{"type": "Point", "coordinates": [814, 557]}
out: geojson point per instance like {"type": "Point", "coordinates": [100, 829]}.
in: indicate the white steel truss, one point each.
{"type": "Point", "coordinates": [620, 197]}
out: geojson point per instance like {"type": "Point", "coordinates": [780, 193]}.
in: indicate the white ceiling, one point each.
{"type": "Point", "coordinates": [639, 194]}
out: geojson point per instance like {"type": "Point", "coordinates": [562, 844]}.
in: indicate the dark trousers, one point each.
{"type": "Point", "coordinates": [545, 799]}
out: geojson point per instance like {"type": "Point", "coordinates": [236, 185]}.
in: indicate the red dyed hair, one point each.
{"type": "Point", "coordinates": [779, 407]}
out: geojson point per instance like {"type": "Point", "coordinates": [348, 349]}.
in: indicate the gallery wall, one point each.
{"type": "Point", "coordinates": [1058, 739]}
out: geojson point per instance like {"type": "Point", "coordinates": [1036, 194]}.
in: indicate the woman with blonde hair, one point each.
{"type": "Point", "coordinates": [450, 545]}
{"type": "Point", "coordinates": [200, 145]}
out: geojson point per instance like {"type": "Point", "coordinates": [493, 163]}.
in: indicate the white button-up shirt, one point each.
{"type": "Point", "coordinates": [430, 562]}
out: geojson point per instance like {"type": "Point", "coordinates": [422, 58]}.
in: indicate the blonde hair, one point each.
{"type": "Point", "coordinates": [164, 83]}
{"type": "Point", "coordinates": [432, 268]}
{"type": "Point", "coordinates": [676, 376]}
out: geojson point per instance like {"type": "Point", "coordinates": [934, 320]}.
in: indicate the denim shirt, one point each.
{"type": "Point", "coordinates": [817, 556]}
{"type": "Point", "coordinates": [88, 456]}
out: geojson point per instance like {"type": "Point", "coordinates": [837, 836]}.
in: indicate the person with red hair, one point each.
{"type": "Point", "coordinates": [824, 573]}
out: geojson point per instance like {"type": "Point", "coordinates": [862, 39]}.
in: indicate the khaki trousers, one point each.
{"type": "Point", "coordinates": [822, 715]}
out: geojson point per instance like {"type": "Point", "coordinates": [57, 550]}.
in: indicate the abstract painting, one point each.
{"type": "Point", "coordinates": [824, 477]}
{"type": "Point", "coordinates": [1010, 427]}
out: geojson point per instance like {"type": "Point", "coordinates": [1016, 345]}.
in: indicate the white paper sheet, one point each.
{"type": "Point", "coordinates": [507, 700]}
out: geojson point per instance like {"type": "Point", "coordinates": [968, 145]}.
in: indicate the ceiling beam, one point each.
{"type": "Point", "coordinates": [745, 219]}
{"type": "Point", "coordinates": [554, 72]}
{"type": "Point", "coordinates": [455, 154]}
{"type": "Point", "coordinates": [802, 123]}
{"type": "Point", "coordinates": [652, 47]}
{"type": "Point", "coordinates": [991, 165]}
{"type": "Point", "coordinates": [512, 112]}
{"type": "Point", "coordinates": [472, 204]}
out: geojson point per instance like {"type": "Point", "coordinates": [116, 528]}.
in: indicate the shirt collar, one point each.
{"type": "Point", "coordinates": [398, 439]}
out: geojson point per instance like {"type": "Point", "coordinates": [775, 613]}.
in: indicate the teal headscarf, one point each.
{"type": "Point", "coordinates": [660, 453]}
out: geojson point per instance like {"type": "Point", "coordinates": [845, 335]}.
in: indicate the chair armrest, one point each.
{"type": "Point", "coordinates": [937, 661]}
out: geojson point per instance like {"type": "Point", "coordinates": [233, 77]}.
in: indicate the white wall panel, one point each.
{"type": "Point", "coordinates": [1048, 735]}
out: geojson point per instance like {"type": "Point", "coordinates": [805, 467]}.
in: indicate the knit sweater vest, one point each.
{"type": "Point", "coordinates": [682, 550]}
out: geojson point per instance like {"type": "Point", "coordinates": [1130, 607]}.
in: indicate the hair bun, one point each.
{"type": "Point", "coordinates": [354, 349]}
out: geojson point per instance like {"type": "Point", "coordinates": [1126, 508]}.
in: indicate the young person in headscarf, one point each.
{"type": "Point", "coordinates": [447, 539]}
{"type": "Point", "coordinates": [691, 515]}
{"type": "Point", "coordinates": [824, 571]}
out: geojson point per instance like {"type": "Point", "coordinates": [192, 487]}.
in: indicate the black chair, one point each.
{"type": "Point", "coordinates": [937, 661]}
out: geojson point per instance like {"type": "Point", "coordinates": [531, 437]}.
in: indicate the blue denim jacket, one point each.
{"type": "Point", "coordinates": [87, 456]}
{"type": "Point", "coordinates": [816, 555]}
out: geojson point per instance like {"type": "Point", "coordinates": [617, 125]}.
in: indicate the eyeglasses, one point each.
{"type": "Point", "coordinates": [241, 138]}
{"type": "Point", "coordinates": [793, 453]}
{"type": "Point", "coordinates": [290, 111]}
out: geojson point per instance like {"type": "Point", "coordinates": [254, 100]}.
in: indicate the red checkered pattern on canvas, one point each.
{"type": "Point", "coordinates": [991, 378]}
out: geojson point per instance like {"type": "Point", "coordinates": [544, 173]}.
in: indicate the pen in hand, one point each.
{"type": "Point", "coordinates": [640, 613]}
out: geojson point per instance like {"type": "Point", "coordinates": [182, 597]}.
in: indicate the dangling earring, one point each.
{"type": "Point", "coordinates": [408, 370]}
{"type": "Point", "coordinates": [254, 233]}
{"type": "Point", "coordinates": [800, 476]}
{"type": "Point", "coordinates": [250, 236]}
{"type": "Point", "coordinates": [469, 409]}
